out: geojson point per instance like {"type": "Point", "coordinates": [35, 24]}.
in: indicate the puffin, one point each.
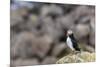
{"type": "Point", "coordinates": [71, 41]}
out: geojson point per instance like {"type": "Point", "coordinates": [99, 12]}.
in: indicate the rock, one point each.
{"type": "Point", "coordinates": [82, 30]}
{"type": "Point", "coordinates": [92, 24]}
{"type": "Point", "coordinates": [15, 18]}
{"type": "Point", "coordinates": [80, 15]}
{"type": "Point", "coordinates": [82, 11]}
{"type": "Point", "coordinates": [28, 45]}
{"type": "Point", "coordinates": [92, 33]}
{"type": "Point", "coordinates": [18, 15]}
{"type": "Point", "coordinates": [23, 45]}
{"type": "Point", "coordinates": [77, 58]}
{"type": "Point", "coordinates": [52, 28]}
{"type": "Point", "coordinates": [49, 16]}
{"type": "Point", "coordinates": [19, 18]}
{"type": "Point", "coordinates": [24, 62]}
{"type": "Point", "coordinates": [49, 60]}
{"type": "Point", "coordinates": [89, 48]}
{"type": "Point", "coordinates": [67, 21]}
{"type": "Point", "coordinates": [43, 46]}
{"type": "Point", "coordinates": [86, 47]}
{"type": "Point", "coordinates": [58, 49]}
{"type": "Point", "coordinates": [92, 39]}
{"type": "Point", "coordinates": [51, 10]}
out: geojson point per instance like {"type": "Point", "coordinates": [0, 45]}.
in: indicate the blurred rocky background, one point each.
{"type": "Point", "coordinates": [38, 31]}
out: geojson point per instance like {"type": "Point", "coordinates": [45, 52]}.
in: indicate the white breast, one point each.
{"type": "Point", "coordinates": [69, 43]}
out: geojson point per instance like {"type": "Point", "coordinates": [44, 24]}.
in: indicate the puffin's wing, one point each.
{"type": "Point", "coordinates": [75, 45]}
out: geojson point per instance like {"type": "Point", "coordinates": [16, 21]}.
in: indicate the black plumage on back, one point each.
{"type": "Point", "coordinates": [75, 45]}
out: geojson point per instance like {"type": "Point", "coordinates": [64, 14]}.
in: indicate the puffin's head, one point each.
{"type": "Point", "coordinates": [69, 32]}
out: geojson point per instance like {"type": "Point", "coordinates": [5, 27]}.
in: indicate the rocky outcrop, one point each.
{"type": "Point", "coordinates": [77, 58]}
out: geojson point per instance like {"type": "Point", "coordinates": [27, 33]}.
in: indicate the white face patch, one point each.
{"type": "Point", "coordinates": [69, 32]}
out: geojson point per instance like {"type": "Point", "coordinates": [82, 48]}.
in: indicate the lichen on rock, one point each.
{"type": "Point", "coordinates": [77, 58]}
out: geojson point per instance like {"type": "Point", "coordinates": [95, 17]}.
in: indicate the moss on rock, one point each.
{"type": "Point", "coordinates": [77, 58]}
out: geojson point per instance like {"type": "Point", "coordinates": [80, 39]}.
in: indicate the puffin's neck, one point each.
{"type": "Point", "coordinates": [72, 36]}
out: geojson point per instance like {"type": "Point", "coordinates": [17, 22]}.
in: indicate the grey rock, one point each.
{"type": "Point", "coordinates": [24, 62]}
{"type": "Point", "coordinates": [58, 49]}
{"type": "Point", "coordinates": [51, 9]}
{"type": "Point", "coordinates": [28, 45]}
{"type": "Point", "coordinates": [82, 30]}
{"type": "Point", "coordinates": [49, 60]}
